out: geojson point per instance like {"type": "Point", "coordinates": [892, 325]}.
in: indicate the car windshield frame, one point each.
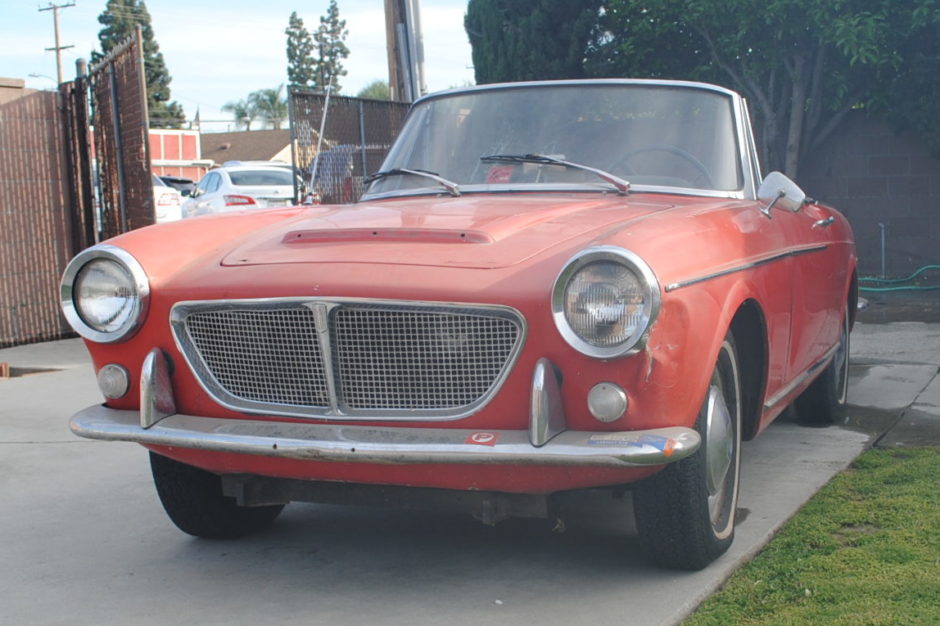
{"type": "Point", "coordinates": [418, 131]}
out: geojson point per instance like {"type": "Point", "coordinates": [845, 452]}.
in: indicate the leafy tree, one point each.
{"type": "Point", "coordinates": [376, 90]}
{"type": "Point", "coordinates": [119, 20]}
{"type": "Point", "coordinates": [301, 67]}
{"type": "Point", "coordinates": [908, 97]}
{"type": "Point", "coordinates": [802, 64]}
{"type": "Point", "coordinates": [529, 39]}
{"type": "Point", "coordinates": [244, 112]}
{"type": "Point", "coordinates": [331, 49]}
{"type": "Point", "coordinates": [270, 105]}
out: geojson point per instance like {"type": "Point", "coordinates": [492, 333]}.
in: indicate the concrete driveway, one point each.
{"type": "Point", "coordinates": [83, 538]}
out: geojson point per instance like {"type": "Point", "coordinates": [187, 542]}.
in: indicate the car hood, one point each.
{"type": "Point", "coordinates": [480, 231]}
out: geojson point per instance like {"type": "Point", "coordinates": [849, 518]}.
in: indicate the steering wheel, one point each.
{"type": "Point", "coordinates": [622, 164]}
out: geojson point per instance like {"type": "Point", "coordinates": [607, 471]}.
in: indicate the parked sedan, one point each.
{"type": "Point", "coordinates": [236, 188]}
{"type": "Point", "coordinates": [183, 185]}
{"type": "Point", "coordinates": [547, 287]}
{"type": "Point", "coordinates": [166, 201]}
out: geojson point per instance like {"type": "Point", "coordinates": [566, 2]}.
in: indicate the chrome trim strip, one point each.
{"type": "Point", "coordinates": [67, 296]}
{"type": "Point", "coordinates": [218, 394]}
{"type": "Point", "coordinates": [799, 380]}
{"type": "Point", "coordinates": [746, 266]}
{"type": "Point", "coordinates": [578, 83]}
{"type": "Point", "coordinates": [321, 314]}
{"type": "Point", "coordinates": [390, 445]}
{"type": "Point", "coordinates": [156, 391]}
{"type": "Point", "coordinates": [749, 157]}
{"type": "Point", "coordinates": [546, 413]}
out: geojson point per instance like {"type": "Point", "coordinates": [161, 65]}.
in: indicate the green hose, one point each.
{"type": "Point", "coordinates": [897, 284]}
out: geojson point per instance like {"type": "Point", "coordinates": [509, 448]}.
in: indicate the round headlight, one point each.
{"type": "Point", "coordinates": [604, 301]}
{"type": "Point", "coordinates": [104, 294]}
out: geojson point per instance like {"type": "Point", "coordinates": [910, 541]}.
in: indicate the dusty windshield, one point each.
{"type": "Point", "coordinates": [650, 135]}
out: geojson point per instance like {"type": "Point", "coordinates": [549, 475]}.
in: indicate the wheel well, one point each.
{"type": "Point", "coordinates": [750, 337]}
{"type": "Point", "coordinates": [852, 309]}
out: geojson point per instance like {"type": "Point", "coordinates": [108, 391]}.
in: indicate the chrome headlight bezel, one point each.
{"type": "Point", "coordinates": [138, 282]}
{"type": "Point", "coordinates": [645, 276]}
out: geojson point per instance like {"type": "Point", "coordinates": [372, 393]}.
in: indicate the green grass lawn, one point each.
{"type": "Point", "coordinates": [864, 550]}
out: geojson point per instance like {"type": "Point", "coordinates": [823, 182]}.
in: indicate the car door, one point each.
{"type": "Point", "coordinates": [214, 198]}
{"type": "Point", "coordinates": [818, 284]}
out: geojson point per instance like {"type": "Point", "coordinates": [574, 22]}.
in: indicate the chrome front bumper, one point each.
{"type": "Point", "coordinates": [365, 444]}
{"type": "Point", "coordinates": [546, 442]}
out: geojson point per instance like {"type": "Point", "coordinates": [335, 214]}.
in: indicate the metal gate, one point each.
{"type": "Point", "coordinates": [337, 141]}
{"type": "Point", "coordinates": [83, 215]}
{"type": "Point", "coordinates": [122, 143]}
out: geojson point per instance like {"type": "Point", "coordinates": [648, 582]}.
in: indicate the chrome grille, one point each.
{"type": "Point", "coordinates": [417, 359]}
{"type": "Point", "coordinates": [345, 359]}
{"type": "Point", "coordinates": [263, 356]}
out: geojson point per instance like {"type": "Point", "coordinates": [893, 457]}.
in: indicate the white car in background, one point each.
{"type": "Point", "coordinates": [236, 188]}
{"type": "Point", "coordinates": [167, 201]}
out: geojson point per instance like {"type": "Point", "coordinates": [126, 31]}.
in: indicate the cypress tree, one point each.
{"type": "Point", "coordinates": [301, 67]}
{"type": "Point", "coordinates": [331, 49]}
{"type": "Point", "coordinates": [119, 20]}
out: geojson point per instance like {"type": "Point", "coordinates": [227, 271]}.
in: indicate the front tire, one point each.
{"type": "Point", "coordinates": [685, 513]}
{"type": "Point", "coordinates": [193, 500]}
{"type": "Point", "coordinates": [824, 401]}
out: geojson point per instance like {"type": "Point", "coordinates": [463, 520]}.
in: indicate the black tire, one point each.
{"type": "Point", "coordinates": [685, 513]}
{"type": "Point", "coordinates": [194, 502]}
{"type": "Point", "coordinates": [824, 401]}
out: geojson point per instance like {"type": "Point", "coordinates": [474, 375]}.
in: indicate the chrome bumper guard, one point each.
{"type": "Point", "coordinates": [545, 443]}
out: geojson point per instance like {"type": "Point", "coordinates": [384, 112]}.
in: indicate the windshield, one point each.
{"type": "Point", "coordinates": [653, 135]}
{"type": "Point", "coordinates": [261, 178]}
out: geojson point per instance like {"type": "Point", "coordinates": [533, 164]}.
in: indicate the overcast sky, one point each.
{"type": "Point", "coordinates": [218, 51]}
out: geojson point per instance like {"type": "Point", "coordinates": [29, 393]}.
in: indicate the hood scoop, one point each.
{"type": "Point", "coordinates": [386, 235]}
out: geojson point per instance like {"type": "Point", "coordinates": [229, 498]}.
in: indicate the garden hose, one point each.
{"type": "Point", "coordinates": [882, 285]}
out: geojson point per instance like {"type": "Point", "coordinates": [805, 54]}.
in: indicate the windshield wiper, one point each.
{"type": "Point", "coordinates": [622, 185]}
{"type": "Point", "coordinates": [452, 188]}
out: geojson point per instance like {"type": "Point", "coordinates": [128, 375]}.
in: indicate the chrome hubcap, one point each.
{"type": "Point", "coordinates": [719, 451]}
{"type": "Point", "coordinates": [720, 432]}
{"type": "Point", "coordinates": [841, 359]}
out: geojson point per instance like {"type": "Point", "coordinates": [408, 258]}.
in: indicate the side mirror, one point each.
{"type": "Point", "coordinates": [186, 192]}
{"type": "Point", "coordinates": [779, 191]}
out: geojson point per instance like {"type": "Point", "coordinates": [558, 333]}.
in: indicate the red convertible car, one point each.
{"type": "Point", "coordinates": [549, 286]}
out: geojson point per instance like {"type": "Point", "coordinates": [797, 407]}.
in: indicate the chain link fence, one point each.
{"type": "Point", "coordinates": [337, 141]}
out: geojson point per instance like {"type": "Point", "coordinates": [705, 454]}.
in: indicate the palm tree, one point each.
{"type": "Point", "coordinates": [244, 112]}
{"type": "Point", "coordinates": [270, 105]}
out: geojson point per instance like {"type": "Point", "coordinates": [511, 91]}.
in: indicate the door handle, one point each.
{"type": "Point", "coordinates": [824, 223]}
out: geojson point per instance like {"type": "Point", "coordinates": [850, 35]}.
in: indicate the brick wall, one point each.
{"type": "Point", "coordinates": [873, 175]}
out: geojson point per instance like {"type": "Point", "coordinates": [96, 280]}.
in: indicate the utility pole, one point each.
{"type": "Point", "coordinates": [58, 48]}
{"type": "Point", "coordinates": [405, 50]}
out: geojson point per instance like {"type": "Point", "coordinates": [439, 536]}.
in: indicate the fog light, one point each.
{"type": "Point", "coordinates": [607, 402]}
{"type": "Point", "coordinates": [113, 381]}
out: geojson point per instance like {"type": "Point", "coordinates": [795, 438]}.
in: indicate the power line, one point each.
{"type": "Point", "coordinates": [58, 48]}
